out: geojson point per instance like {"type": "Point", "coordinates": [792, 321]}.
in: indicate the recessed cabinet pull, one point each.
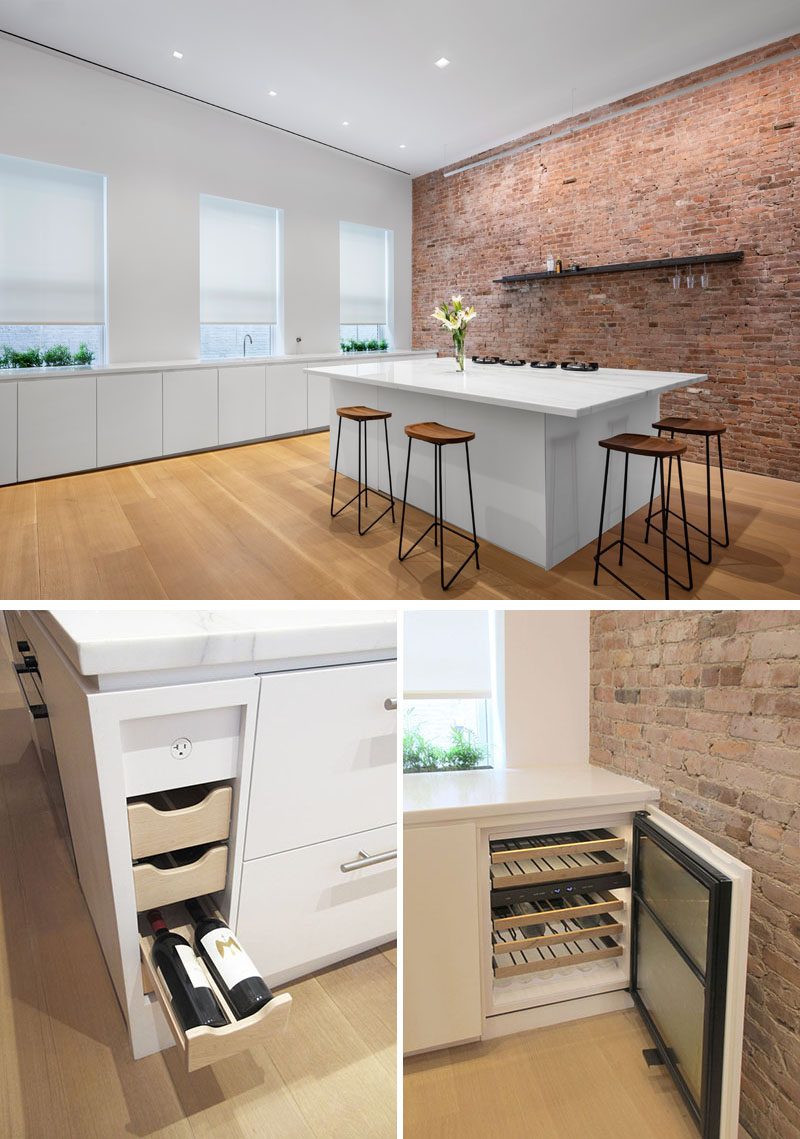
{"type": "Point", "coordinates": [365, 860]}
{"type": "Point", "coordinates": [389, 704]}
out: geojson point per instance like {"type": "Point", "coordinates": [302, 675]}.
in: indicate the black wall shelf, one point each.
{"type": "Point", "coordinates": [623, 267]}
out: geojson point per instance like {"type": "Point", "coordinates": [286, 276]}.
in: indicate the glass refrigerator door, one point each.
{"type": "Point", "coordinates": [680, 941]}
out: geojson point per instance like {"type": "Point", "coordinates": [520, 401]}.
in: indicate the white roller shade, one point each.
{"type": "Point", "coordinates": [238, 262]}
{"type": "Point", "coordinates": [363, 274]}
{"type": "Point", "coordinates": [52, 244]}
{"type": "Point", "coordinates": [447, 653]}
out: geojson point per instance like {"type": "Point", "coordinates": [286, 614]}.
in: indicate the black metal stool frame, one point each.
{"type": "Point", "coordinates": [698, 529]}
{"type": "Point", "coordinates": [623, 545]}
{"type": "Point", "coordinates": [439, 525]}
{"type": "Point", "coordinates": [363, 491]}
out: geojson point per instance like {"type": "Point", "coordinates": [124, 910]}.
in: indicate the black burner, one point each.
{"type": "Point", "coordinates": [486, 360]}
{"type": "Point", "coordinates": [513, 363]}
{"type": "Point", "coordinates": [579, 366]}
{"type": "Point", "coordinates": [544, 364]}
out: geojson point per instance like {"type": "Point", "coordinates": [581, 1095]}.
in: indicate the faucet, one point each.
{"type": "Point", "coordinates": [244, 343]}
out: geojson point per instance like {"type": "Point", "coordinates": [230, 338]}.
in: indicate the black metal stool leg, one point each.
{"type": "Point", "coordinates": [722, 488]}
{"type": "Point", "coordinates": [624, 509]}
{"type": "Point", "coordinates": [389, 465]}
{"type": "Point", "coordinates": [652, 495]}
{"type": "Point", "coordinates": [435, 497]}
{"type": "Point", "coordinates": [685, 527]}
{"type": "Point", "coordinates": [664, 542]}
{"type": "Point", "coordinates": [708, 493]}
{"type": "Point", "coordinates": [336, 463]}
{"type": "Point", "coordinates": [359, 474]}
{"type": "Point", "coordinates": [472, 507]}
{"type": "Point", "coordinates": [440, 514]}
{"type": "Point", "coordinates": [405, 498]}
{"type": "Point", "coordinates": [602, 512]}
{"type": "Point", "coordinates": [366, 478]}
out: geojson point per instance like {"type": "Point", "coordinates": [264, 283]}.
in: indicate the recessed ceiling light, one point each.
{"type": "Point", "coordinates": [402, 146]}
{"type": "Point", "coordinates": [345, 123]}
{"type": "Point", "coordinates": [443, 62]}
{"type": "Point", "coordinates": [273, 93]}
{"type": "Point", "coordinates": [177, 55]}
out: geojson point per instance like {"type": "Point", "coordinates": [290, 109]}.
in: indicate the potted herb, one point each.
{"type": "Point", "coordinates": [84, 356]}
{"type": "Point", "coordinates": [463, 753]}
{"type": "Point", "coordinates": [59, 356]}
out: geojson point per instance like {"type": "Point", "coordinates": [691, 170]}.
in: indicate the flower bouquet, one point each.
{"type": "Point", "coordinates": [456, 318]}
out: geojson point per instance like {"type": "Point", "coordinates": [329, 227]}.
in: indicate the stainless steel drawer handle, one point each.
{"type": "Point", "coordinates": [365, 860]}
{"type": "Point", "coordinates": [390, 705]}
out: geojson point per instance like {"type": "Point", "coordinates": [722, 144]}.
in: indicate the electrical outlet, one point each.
{"type": "Point", "coordinates": [181, 748]}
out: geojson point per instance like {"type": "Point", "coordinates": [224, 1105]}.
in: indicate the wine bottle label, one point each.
{"type": "Point", "coordinates": [192, 967]}
{"type": "Point", "coordinates": [230, 959]}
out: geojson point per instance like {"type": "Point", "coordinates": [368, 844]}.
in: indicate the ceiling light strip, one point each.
{"type": "Point", "coordinates": [196, 99]}
{"type": "Point", "coordinates": [657, 100]}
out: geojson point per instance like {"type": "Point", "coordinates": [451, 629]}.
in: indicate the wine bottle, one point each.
{"type": "Point", "coordinates": [242, 985]}
{"type": "Point", "coordinates": [193, 999]}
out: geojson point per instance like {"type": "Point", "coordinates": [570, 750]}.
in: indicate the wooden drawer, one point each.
{"type": "Point", "coordinates": [555, 956]}
{"type": "Point", "coordinates": [515, 938]}
{"type": "Point", "coordinates": [172, 820]}
{"type": "Point", "coordinates": [203, 1046]}
{"type": "Point", "coordinates": [156, 886]}
{"type": "Point", "coordinates": [558, 909]}
{"type": "Point", "coordinates": [540, 859]}
{"type": "Point", "coordinates": [300, 910]}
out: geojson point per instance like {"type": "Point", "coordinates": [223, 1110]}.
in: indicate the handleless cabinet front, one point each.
{"type": "Point", "coordinates": [190, 410]}
{"type": "Point", "coordinates": [242, 403]}
{"type": "Point", "coordinates": [287, 399]}
{"type": "Point", "coordinates": [57, 426]}
{"type": "Point", "coordinates": [325, 762]}
{"type": "Point", "coordinates": [129, 417]}
{"type": "Point", "coordinates": [8, 433]}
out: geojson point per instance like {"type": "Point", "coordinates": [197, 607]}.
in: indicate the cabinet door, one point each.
{"type": "Point", "coordinates": [57, 426]}
{"type": "Point", "coordinates": [319, 401]}
{"type": "Point", "coordinates": [442, 1001]}
{"type": "Point", "coordinates": [129, 417]}
{"type": "Point", "coordinates": [287, 399]}
{"type": "Point", "coordinates": [303, 910]}
{"type": "Point", "coordinates": [242, 403]}
{"type": "Point", "coordinates": [8, 433]}
{"type": "Point", "coordinates": [190, 410]}
{"type": "Point", "coordinates": [690, 923]}
{"type": "Point", "coordinates": [325, 762]}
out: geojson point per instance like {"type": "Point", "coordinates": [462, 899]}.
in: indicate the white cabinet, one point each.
{"type": "Point", "coordinates": [319, 402]}
{"type": "Point", "coordinates": [300, 911]}
{"type": "Point", "coordinates": [325, 762]}
{"type": "Point", "coordinates": [442, 1002]}
{"type": "Point", "coordinates": [287, 399]}
{"type": "Point", "coordinates": [8, 433]}
{"type": "Point", "coordinates": [129, 417]}
{"type": "Point", "coordinates": [57, 426]}
{"type": "Point", "coordinates": [190, 410]}
{"type": "Point", "coordinates": [242, 403]}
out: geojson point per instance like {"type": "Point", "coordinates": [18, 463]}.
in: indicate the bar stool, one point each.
{"type": "Point", "coordinates": [362, 416]}
{"type": "Point", "coordinates": [658, 449]}
{"type": "Point", "coordinates": [706, 428]}
{"type": "Point", "coordinates": [440, 437]}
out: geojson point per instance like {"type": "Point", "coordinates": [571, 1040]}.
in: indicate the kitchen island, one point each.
{"type": "Point", "coordinates": [536, 467]}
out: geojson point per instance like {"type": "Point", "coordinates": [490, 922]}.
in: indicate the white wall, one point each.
{"type": "Point", "coordinates": [546, 687]}
{"type": "Point", "coordinates": [159, 152]}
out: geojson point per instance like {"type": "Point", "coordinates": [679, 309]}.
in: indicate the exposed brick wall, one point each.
{"type": "Point", "coordinates": [702, 172]}
{"type": "Point", "coordinates": [706, 706]}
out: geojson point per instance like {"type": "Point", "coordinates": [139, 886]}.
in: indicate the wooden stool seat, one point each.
{"type": "Point", "coordinates": [362, 414]}
{"type": "Point", "coordinates": [438, 434]}
{"type": "Point", "coordinates": [691, 425]}
{"type": "Point", "coordinates": [650, 446]}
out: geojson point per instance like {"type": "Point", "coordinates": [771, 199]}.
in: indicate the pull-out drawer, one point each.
{"type": "Point", "coordinates": [557, 956]}
{"type": "Point", "coordinates": [202, 1046]}
{"type": "Point", "coordinates": [555, 909]}
{"type": "Point", "coordinates": [542, 859]}
{"type": "Point", "coordinates": [307, 908]}
{"type": "Point", "coordinates": [161, 882]}
{"type": "Point", "coordinates": [172, 820]}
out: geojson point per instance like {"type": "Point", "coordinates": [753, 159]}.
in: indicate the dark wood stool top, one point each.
{"type": "Point", "coordinates": [691, 425]}
{"type": "Point", "coordinates": [437, 433]}
{"type": "Point", "coordinates": [362, 414]}
{"type": "Point", "coordinates": [648, 445]}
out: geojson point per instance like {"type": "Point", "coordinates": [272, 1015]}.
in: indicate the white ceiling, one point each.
{"type": "Point", "coordinates": [516, 65]}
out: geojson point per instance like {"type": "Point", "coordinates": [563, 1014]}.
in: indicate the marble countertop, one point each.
{"type": "Point", "coordinates": [102, 641]}
{"type": "Point", "coordinates": [448, 796]}
{"type": "Point", "coordinates": [552, 392]}
{"type": "Point", "coordinates": [13, 375]}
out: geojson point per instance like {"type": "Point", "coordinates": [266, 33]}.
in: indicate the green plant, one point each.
{"type": "Point", "coordinates": [383, 345]}
{"type": "Point", "coordinates": [26, 358]}
{"type": "Point", "coordinates": [372, 345]}
{"type": "Point", "coordinates": [6, 356]}
{"type": "Point", "coordinates": [84, 355]}
{"type": "Point", "coordinates": [58, 356]}
{"type": "Point", "coordinates": [464, 752]}
{"type": "Point", "coordinates": [342, 345]}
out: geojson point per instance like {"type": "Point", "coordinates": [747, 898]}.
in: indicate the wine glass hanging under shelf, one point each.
{"type": "Point", "coordinates": [703, 259]}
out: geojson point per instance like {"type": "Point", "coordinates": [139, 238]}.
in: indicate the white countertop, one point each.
{"type": "Point", "coordinates": [101, 642]}
{"type": "Point", "coordinates": [447, 796]}
{"type": "Point", "coordinates": [553, 392]}
{"type": "Point", "coordinates": [11, 375]}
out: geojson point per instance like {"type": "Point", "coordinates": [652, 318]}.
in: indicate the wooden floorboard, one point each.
{"type": "Point", "coordinates": [253, 523]}
{"type": "Point", "coordinates": [66, 1070]}
{"type": "Point", "coordinates": [587, 1077]}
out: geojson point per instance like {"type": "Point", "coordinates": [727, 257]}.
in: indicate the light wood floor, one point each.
{"type": "Point", "coordinates": [66, 1070]}
{"type": "Point", "coordinates": [252, 522]}
{"type": "Point", "coordinates": [569, 1081]}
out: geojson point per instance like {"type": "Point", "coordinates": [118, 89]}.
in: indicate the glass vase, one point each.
{"type": "Point", "coordinates": [458, 349]}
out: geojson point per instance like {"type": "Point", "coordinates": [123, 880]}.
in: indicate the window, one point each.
{"type": "Point", "coordinates": [52, 263]}
{"type": "Point", "coordinates": [451, 691]}
{"type": "Point", "coordinates": [239, 278]}
{"type": "Point", "coordinates": [365, 276]}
